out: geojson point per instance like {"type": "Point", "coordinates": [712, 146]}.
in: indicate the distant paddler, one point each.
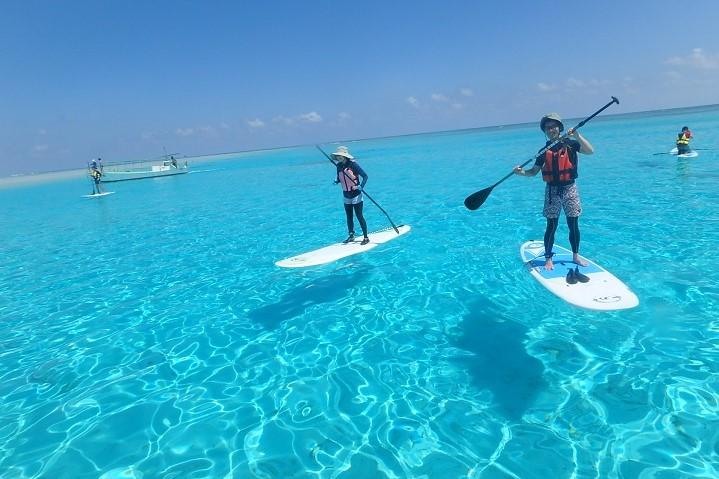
{"type": "Point", "coordinates": [95, 171]}
{"type": "Point", "coordinates": [683, 139]}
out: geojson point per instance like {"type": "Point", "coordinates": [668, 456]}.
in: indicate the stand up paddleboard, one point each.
{"type": "Point", "coordinates": [691, 154]}
{"type": "Point", "coordinates": [603, 291]}
{"type": "Point", "coordinates": [337, 251]}
{"type": "Point", "coordinates": [98, 195]}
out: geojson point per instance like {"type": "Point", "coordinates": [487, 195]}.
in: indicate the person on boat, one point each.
{"type": "Point", "coordinates": [173, 161]}
{"type": "Point", "coordinates": [559, 167]}
{"type": "Point", "coordinates": [95, 174]}
{"type": "Point", "coordinates": [349, 174]}
{"type": "Point", "coordinates": [683, 141]}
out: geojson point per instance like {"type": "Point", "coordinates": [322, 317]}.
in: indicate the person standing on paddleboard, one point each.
{"type": "Point", "coordinates": [559, 170]}
{"type": "Point", "coordinates": [683, 141]}
{"type": "Point", "coordinates": [349, 174]}
{"type": "Point", "coordinates": [95, 171]}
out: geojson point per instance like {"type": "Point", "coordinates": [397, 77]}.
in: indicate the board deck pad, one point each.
{"type": "Point", "coordinates": [98, 195]}
{"type": "Point", "coordinates": [691, 154]}
{"type": "Point", "coordinates": [603, 291]}
{"type": "Point", "coordinates": [337, 251]}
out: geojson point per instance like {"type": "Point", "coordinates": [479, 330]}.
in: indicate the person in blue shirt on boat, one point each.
{"type": "Point", "coordinates": [559, 170]}
{"type": "Point", "coordinates": [683, 141]}
{"type": "Point", "coordinates": [352, 178]}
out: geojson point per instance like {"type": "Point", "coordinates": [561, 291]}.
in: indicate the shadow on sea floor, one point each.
{"type": "Point", "coordinates": [499, 360]}
{"type": "Point", "coordinates": [311, 293]}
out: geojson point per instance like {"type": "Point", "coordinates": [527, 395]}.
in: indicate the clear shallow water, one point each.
{"type": "Point", "coordinates": [149, 334]}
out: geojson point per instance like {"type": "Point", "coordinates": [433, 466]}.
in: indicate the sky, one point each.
{"type": "Point", "coordinates": [130, 80]}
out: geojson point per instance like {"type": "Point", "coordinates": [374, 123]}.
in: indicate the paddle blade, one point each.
{"type": "Point", "coordinates": [475, 200]}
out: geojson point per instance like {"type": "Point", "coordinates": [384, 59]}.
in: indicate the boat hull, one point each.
{"type": "Point", "coordinates": [112, 176]}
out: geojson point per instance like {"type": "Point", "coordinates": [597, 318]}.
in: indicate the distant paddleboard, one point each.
{"type": "Point", "coordinates": [691, 154]}
{"type": "Point", "coordinates": [98, 195]}
{"type": "Point", "coordinates": [603, 291]}
{"type": "Point", "coordinates": [337, 251]}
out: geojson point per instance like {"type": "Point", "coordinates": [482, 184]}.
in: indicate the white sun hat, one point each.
{"type": "Point", "coordinates": [343, 151]}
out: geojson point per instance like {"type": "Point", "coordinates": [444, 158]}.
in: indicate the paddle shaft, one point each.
{"type": "Point", "coordinates": [363, 191]}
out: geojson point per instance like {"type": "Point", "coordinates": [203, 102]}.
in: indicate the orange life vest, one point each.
{"type": "Point", "coordinates": [558, 167]}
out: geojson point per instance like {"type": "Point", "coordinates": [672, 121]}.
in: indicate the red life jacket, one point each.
{"type": "Point", "coordinates": [558, 167]}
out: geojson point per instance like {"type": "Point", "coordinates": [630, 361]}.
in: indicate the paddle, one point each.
{"type": "Point", "coordinates": [475, 200]}
{"type": "Point", "coordinates": [363, 191]}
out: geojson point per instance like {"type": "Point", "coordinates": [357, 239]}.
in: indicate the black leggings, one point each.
{"type": "Point", "coordinates": [360, 217]}
{"type": "Point", "coordinates": [682, 149]}
{"type": "Point", "coordinates": [574, 236]}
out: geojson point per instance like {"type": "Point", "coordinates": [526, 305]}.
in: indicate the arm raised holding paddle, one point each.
{"type": "Point", "coordinates": [477, 199]}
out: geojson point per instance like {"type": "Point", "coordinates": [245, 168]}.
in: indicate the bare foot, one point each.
{"type": "Point", "coordinates": [579, 260]}
{"type": "Point", "coordinates": [549, 264]}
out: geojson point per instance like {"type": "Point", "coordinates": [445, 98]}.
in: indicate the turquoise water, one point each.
{"type": "Point", "coordinates": [148, 334]}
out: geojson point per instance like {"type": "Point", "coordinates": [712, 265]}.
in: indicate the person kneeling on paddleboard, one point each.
{"type": "Point", "coordinates": [349, 173]}
{"type": "Point", "coordinates": [683, 141]}
{"type": "Point", "coordinates": [559, 170]}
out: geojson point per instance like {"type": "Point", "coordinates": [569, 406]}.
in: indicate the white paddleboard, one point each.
{"type": "Point", "coordinates": [691, 154]}
{"type": "Point", "coordinates": [337, 251]}
{"type": "Point", "coordinates": [603, 291]}
{"type": "Point", "coordinates": [98, 195]}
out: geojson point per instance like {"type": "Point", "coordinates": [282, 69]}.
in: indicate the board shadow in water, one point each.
{"type": "Point", "coordinates": [499, 360]}
{"type": "Point", "coordinates": [298, 300]}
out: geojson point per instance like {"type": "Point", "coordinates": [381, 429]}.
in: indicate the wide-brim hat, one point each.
{"type": "Point", "coordinates": [553, 117]}
{"type": "Point", "coordinates": [343, 151]}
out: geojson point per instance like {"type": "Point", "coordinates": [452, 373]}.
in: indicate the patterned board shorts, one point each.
{"type": "Point", "coordinates": [557, 198]}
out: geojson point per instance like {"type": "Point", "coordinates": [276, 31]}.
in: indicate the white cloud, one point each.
{"type": "Point", "coordinates": [39, 148]}
{"type": "Point", "coordinates": [283, 119]}
{"type": "Point", "coordinates": [311, 117]}
{"type": "Point", "coordinates": [575, 83]}
{"type": "Point", "coordinates": [42, 131]}
{"type": "Point", "coordinates": [185, 131]}
{"type": "Point", "coordinates": [696, 59]}
{"type": "Point", "coordinates": [256, 123]}
{"type": "Point", "coordinates": [224, 126]}
{"type": "Point", "coordinates": [343, 115]}
{"type": "Point", "coordinates": [438, 97]}
{"type": "Point", "coordinates": [545, 87]}
{"type": "Point", "coordinates": [148, 135]}
{"type": "Point", "coordinates": [457, 106]}
{"type": "Point", "coordinates": [466, 92]}
{"type": "Point", "coordinates": [413, 101]}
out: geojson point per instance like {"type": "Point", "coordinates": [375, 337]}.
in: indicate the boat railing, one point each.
{"type": "Point", "coordinates": [141, 165]}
